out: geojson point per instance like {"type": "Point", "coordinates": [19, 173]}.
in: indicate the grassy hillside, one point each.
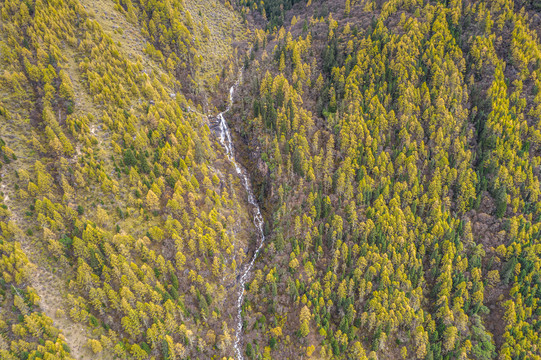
{"type": "Point", "coordinates": [124, 200]}
{"type": "Point", "coordinates": [196, 41]}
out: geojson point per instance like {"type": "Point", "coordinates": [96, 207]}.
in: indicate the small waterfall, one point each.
{"type": "Point", "coordinates": [227, 142]}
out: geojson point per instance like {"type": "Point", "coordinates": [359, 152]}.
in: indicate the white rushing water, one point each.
{"type": "Point", "coordinates": [227, 142]}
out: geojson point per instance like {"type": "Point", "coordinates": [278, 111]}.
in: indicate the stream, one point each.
{"type": "Point", "coordinates": [227, 142]}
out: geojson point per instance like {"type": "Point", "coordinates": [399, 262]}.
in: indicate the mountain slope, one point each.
{"type": "Point", "coordinates": [129, 208]}
{"type": "Point", "coordinates": [393, 147]}
{"type": "Point", "coordinates": [396, 149]}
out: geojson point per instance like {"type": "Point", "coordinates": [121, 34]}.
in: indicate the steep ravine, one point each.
{"type": "Point", "coordinates": [227, 142]}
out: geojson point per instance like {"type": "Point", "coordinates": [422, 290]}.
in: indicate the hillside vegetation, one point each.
{"type": "Point", "coordinates": [113, 185]}
{"type": "Point", "coordinates": [398, 161]}
{"type": "Point", "coordinates": [394, 147]}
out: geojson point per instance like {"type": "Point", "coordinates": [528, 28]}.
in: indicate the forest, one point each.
{"type": "Point", "coordinates": [392, 147]}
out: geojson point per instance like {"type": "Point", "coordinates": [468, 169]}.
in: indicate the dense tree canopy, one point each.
{"type": "Point", "coordinates": [394, 149]}
{"type": "Point", "coordinates": [393, 134]}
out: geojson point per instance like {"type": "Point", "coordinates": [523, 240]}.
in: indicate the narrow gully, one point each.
{"type": "Point", "coordinates": [227, 143]}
